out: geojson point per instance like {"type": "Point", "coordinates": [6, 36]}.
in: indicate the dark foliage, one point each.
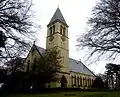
{"type": "Point", "coordinates": [98, 83]}
{"type": "Point", "coordinates": [103, 35]}
{"type": "Point", "coordinates": [3, 73]}
{"type": "Point", "coordinates": [113, 75]}
{"type": "Point", "coordinates": [45, 69]}
{"type": "Point", "coordinates": [14, 81]}
{"type": "Point", "coordinates": [14, 77]}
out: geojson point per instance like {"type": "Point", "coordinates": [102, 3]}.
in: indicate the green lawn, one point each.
{"type": "Point", "coordinates": [69, 94]}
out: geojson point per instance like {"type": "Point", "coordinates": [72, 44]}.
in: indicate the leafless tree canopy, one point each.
{"type": "Point", "coordinates": [103, 35]}
{"type": "Point", "coordinates": [16, 24]}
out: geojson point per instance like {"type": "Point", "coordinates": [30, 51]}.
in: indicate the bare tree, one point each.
{"type": "Point", "coordinates": [16, 26]}
{"type": "Point", "coordinates": [103, 35]}
{"type": "Point", "coordinates": [15, 65]}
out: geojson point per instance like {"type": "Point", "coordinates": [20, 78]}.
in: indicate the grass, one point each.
{"type": "Point", "coordinates": [69, 94]}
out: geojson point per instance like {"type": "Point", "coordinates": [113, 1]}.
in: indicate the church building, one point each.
{"type": "Point", "coordinates": [76, 74]}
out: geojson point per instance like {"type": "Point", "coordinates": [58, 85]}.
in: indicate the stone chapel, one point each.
{"type": "Point", "coordinates": [76, 74]}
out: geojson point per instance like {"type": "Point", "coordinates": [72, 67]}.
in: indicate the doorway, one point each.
{"type": "Point", "coordinates": [63, 82]}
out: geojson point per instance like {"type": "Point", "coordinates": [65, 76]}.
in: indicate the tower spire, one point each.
{"type": "Point", "coordinates": [58, 17]}
{"type": "Point", "coordinates": [57, 36]}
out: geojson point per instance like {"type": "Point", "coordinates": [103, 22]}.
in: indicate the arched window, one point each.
{"type": "Point", "coordinates": [88, 82]}
{"type": "Point", "coordinates": [75, 80]}
{"type": "Point", "coordinates": [53, 29]}
{"type": "Point", "coordinates": [63, 82]}
{"type": "Point", "coordinates": [72, 81]}
{"type": "Point", "coordinates": [50, 31]}
{"type": "Point", "coordinates": [61, 29]}
{"type": "Point", "coordinates": [78, 81]}
{"type": "Point", "coordinates": [81, 81]}
{"type": "Point", "coordinates": [92, 81]}
{"type": "Point", "coordinates": [64, 30]}
{"type": "Point", "coordinates": [84, 81]}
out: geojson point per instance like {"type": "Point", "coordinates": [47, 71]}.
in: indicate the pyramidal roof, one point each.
{"type": "Point", "coordinates": [58, 17]}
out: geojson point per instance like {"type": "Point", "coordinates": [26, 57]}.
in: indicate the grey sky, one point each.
{"type": "Point", "coordinates": [76, 13]}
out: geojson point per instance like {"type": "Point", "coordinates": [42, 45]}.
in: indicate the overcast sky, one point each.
{"type": "Point", "coordinates": [76, 13]}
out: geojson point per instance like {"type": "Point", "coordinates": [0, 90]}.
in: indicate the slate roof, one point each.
{"type": "Point", "coordinates": [78, 66]}
{"type": "Point", "coordinates": [58, 16]}
{"type": "Point", "coordinates": [75, 66]}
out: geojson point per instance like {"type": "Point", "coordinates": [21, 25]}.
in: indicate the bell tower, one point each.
{"type": "Point", "coordinates": [57, 36]}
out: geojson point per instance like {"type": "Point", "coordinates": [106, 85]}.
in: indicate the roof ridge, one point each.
{"type": "Point", "coordinates": [88, 69]}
